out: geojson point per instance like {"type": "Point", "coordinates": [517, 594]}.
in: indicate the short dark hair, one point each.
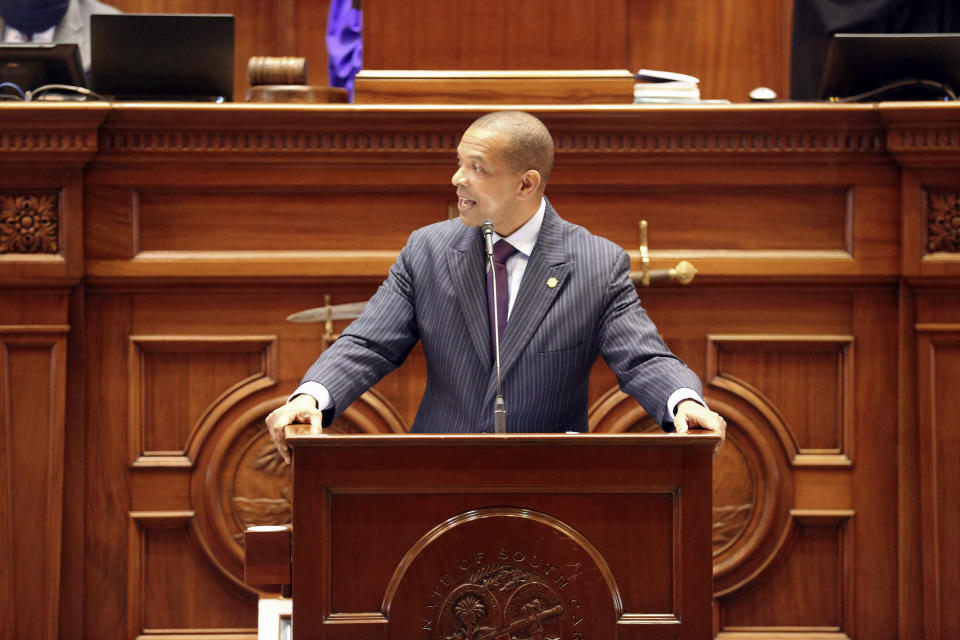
{"type": "Point", "coordinates": [530, 145]}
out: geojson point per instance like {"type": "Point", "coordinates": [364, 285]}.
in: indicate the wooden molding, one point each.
{"type": "Point", "coordinates": [922, 134]}
{"type": "Point", "coordinates": [51, 134]}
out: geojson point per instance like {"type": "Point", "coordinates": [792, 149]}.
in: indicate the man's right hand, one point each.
{"type": "Point", "coordinates": [300, 410]}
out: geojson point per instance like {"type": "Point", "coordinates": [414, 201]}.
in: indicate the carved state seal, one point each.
{"type": "Point", "coordinates": [502, 574]}
{"type": "Point", "coordinates": [531, 608]}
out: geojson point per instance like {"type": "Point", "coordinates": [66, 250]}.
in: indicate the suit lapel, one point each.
{"type": "Point", "coordinates": [548, 260]}
{"type": "Point", "coordinates": [466, 263]}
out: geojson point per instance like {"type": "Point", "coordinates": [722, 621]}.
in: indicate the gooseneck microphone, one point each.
{"type": "Point", "coordinates": [499, 409]}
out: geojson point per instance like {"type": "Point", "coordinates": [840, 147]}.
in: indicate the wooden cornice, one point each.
{"type": "Point", "coordinates": [71, 134]}
{"type": "Point", "coordinates": [593, 133]}
{"type": "Point", "coordinates": [50, 134]}
{"type": "Point", "coordinates": [922, 133]}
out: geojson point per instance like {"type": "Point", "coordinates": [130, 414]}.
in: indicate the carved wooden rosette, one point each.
{"type": "Point", "coordinates": [943, 218]}
{"type": "Point", "coordinates": [29, 223]}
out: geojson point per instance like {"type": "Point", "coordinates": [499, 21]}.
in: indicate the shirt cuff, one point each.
{"type": "Point", "coordinates": [316, 391]}
{"type": "Point", "coordinates": [675, 398]}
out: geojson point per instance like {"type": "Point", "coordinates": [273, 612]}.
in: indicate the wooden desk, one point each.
{"type": "Point", "coordinates": [150, 253]}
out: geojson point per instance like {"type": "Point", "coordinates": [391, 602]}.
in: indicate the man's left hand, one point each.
{"type": "Point", "coordinates": [691, 414]}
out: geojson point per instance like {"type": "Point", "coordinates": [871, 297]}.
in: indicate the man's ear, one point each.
{"type": "Point", "coordinates": [529, 183]}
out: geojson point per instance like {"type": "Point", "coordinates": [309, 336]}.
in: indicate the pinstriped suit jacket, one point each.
{"type": "Point", "coordinates": [436, 293]}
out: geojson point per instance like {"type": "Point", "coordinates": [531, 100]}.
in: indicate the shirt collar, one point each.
{"type": "Point", "coordinates": [12, 35]}
{"type": "Point", "coordinates": [525, 238]}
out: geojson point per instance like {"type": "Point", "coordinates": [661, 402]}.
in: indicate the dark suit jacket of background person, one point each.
{"type": "Point", "coordinates": [436, 293]}
{"type": "Point", "coordinates": [75, 25]}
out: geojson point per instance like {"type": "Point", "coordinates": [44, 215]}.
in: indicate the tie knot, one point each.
{"type": "Point", "coordinates": [502, 250]}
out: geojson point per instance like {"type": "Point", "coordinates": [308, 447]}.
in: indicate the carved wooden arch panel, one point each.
{"type": "Point", "coordinates": [239, 479]}
{"type": "Point", "coordinates": [766, 539]}
{"type": "Point", "coordinates": [215, 473]}
{"type": "Point", "coordinates": [752, 487]}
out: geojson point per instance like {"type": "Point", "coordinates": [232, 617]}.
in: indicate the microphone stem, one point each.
{"type": "Point", "coordinates": [499, 408]}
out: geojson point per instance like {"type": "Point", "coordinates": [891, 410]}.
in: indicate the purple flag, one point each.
{"type": "Point", "coordinates": [344, 44]}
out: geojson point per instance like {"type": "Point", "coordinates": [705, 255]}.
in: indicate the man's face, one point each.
{"type": "Point", "coordinates": [488, 186]}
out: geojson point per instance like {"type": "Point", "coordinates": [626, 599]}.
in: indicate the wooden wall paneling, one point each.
{"type": "Point", "coordinates": [731, 46]}
{"type": "Point", "coordinates": [309, 29]}
{"type": "Point", "coordinates": [938, 351]}
{"type": "Point", "coordinates": [198, 371]}
{"type": "Point", "coordinates": [310, 167]}
{"type": "Point", "coordinates": [163, 556]}
{"type": "Point", "coordinates": [32, 412]}
{"type": "Point", "coordinates": [787, 221]}
{"type": "Point", "coordinates": [189, 219]}
{"type": "Point", "coordinates": [861, 487]}
{"type": "Point", "coordinates": [210, 375]}
{"type": "Point", "coordinates": [107, 493]}
{"type": "Point", "coordinates": [874, 318]}
{"type": "Point", "coordinates": [769, 510]}
{"type": "Point", "coordinates": [809, 379]}
{"type": "Point", "coordinates": [73, 561]}
{"type": "Point", "coordinates": [173, 582]}
{"type": "Point", "coordinates": [807, 596]}
{"type": "Point", "coordinates": [589, 159]}
{"type": "Point", "coordinates": [685, 178]}
{"type": "Point", "coordinates": [809, 218]}
{"type": "Point", "coordinates": [537, 34]}
{"type": "Point", "coordinates": [910, 533]}
{"type": "Point", "coordinates": [216, 471]}
{"type": "Point", "coordinates": [779, 374]}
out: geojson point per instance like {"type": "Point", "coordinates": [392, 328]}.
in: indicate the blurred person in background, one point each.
{"type": "Point", "coordinates": [51, 21]}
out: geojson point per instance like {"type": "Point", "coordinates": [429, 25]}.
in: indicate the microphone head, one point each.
{"type": "Point", "coordinates": [487, 227]}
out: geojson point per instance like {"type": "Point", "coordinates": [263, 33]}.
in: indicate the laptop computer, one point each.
{"type": "Point", "coordinates": [905, 66]}
{"type": "Point", "coordinates": [146, 56]}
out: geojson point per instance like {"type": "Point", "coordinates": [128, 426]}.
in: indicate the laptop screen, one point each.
{"type": "Point", "coordinates": [162, 56]}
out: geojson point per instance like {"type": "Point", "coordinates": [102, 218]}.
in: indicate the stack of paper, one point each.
{"type": "Point", "coordinates": [665, 87]}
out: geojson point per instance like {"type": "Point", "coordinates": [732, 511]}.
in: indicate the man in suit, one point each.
{"type": "Point", "coordinates": [51, 21]}
{"type": "Point", "coordinates": [570, 299]}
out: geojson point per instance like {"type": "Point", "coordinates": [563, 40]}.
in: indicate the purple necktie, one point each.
{"type": "Point", "coordinates": [501, 251]}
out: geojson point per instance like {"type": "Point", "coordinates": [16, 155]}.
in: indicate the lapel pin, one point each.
{"type": "Point", "coordinates": [552, 282]}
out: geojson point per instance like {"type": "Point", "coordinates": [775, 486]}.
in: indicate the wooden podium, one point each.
{"type": "Point", "coordinates": [579, 537]}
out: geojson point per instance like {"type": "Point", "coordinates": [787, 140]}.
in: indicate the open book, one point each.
{"type": "Point", "coordinates": [665, 86]}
